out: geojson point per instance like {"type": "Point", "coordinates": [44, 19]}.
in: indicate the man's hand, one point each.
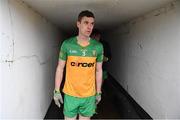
{"type": "Point", "coordinates": [58, 98]}
{"type": "Point", "coordinates": [98, 98]}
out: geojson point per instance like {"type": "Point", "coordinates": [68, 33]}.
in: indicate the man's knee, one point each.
{"type": "Point", "coordinates": [83, 118]}
{"type": "Point", "coordinates": [68, 118]}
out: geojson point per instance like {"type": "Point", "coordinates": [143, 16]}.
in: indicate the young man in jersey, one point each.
{"type": "Point", "coordinates": [83, 58]}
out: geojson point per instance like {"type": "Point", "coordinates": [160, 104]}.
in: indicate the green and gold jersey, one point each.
{"type": "Point", "coordinates": [80, 66]}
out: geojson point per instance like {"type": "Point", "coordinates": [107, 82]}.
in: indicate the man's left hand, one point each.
{"type": "Point", "coordinates": [98, 98]}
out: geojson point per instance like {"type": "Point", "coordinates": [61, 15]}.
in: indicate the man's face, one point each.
{"type": "Point", "coordinates": [85, 26]}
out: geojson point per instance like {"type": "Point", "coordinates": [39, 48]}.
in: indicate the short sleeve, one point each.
{"type": "Point", "coordinates": [63, 51]}
{"type": "Point", "coordinates": [100, 52]}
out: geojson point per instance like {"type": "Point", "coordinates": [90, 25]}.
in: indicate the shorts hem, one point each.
{"type": "Point", "coordinates": [87, 115]}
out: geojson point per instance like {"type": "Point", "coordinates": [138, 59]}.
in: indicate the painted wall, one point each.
{"type": "Point", "coordinates": [28, 57]}
{"type": "Point", "coordinates": [146, 60]}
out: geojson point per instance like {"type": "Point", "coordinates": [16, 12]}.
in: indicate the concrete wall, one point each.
{"type": "Point", "coordinates": [28, 57]}
{"type": "Point", "coordinates": [146, 60]}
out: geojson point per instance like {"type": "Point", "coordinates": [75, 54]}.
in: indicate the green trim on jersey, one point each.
{"type": "Point", "coordinates": [70, 47]}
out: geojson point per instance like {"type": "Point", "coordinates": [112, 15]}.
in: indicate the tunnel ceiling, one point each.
{"type": "Point", "coordinates": [108, 13]}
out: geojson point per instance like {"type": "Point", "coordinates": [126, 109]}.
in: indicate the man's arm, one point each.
{"type": "Point", "coordinates": [59, 74]}
{"type": "Point", "coordinates": [98, 77]}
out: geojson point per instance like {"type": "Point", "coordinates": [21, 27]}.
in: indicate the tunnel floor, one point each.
{"type": "Point", "coordinates": [116, 103]}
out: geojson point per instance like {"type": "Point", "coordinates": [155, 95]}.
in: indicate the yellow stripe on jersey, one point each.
{"type": "Point", "coordinates": [80, 76]}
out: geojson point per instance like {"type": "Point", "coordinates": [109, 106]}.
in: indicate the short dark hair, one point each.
{"type": "Point", "coordinates": [85, 13]}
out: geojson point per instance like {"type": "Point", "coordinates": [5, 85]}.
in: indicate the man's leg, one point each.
{"type": "Point", "coordinates": [87, 109]}
{"type": "Point", "coordinates": [67, 118]}
{"type": "Point", "coordinates": [70, 107]}
{"type": "Point", "coordinates": [83, 118]}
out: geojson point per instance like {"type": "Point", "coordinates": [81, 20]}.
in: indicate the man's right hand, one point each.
{"type": "Point", "coordinates": [58, 98]}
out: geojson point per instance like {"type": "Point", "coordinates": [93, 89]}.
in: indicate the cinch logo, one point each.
{"type": "Point", "coordinates": [82, 64]}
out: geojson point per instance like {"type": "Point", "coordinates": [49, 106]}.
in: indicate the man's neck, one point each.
{"type": "Point", "coordinates": [82, 38]}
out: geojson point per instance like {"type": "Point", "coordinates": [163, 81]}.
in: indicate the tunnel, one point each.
{"type": "Point", "coordinates": [143, 73]}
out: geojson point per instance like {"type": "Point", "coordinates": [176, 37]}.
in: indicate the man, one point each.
{"type": "Point", "coordinates": [96, 34]}
{"type": "Point", "coordinates": [83, 58]}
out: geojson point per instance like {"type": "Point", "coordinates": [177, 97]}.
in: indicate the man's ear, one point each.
{"type": "Point", "coordinates": [78, 24]}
